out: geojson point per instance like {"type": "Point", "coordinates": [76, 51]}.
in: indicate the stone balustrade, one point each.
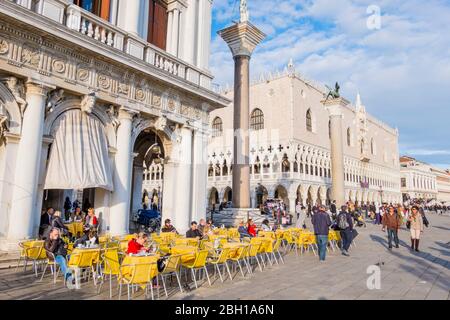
{"type": "Point", "coordinates": [98, 29]}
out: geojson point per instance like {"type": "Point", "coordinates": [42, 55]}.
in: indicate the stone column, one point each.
{"type": "Point", "coordinates": [28, 162]}
{"type": "Point", "coordinates": [175, 32]}
{"type": "Point", "coordinates": [183, 183]}
{"type": "Point", "coordinates": [120, 202]}
{"type": "Point", "coordinates": [128, 17]}
{"type": "Point", "coordinates": [138, 177]}
{"type": "Point", "coordinates": [242, 38]}
{"type": "Point", "coordinates": [337, 150]}
{"type": "Point", "coordinates": [199, 175]}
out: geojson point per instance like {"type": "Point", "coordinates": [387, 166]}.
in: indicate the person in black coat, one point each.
{"type": "Point", "coordinates": [346, 233]}
{"type": "Point", "coordinates": [193, 232]}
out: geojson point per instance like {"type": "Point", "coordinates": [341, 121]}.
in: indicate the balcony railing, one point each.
{"type": "Point", "coordinates": [96, 28]}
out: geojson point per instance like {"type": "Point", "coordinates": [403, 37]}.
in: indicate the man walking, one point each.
{"type": "Point", "coordinates": [392, 222]}
{"type": "Point", "coordinates": [321, 222]}
{"type": "Point", "coordinates": [345, 224]}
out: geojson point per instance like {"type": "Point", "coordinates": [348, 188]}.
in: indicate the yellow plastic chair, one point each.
{"type": "Point", "coordinates": [137, 275]}
{"type": "Point", "coordinates": [253, 253]}
{"type": "Point", "coordinates": [53, 266]}
{"type": "Point", "coordinates": [276, 251]}
{"type": "Point", "coordinates": [173, 266]}
{"type": "Point", "coordinates": [221, 260]}
{"type": "Point", "coordinates": [83, 260]}
{"type": "Point", "coordinates": [32, 250]}
{"type": "Point", "coordinates": [110, 266]}
{"type": "Point", "coordinates": [199, 263]}
{"type": "Point", "coordinates": [242, 256]}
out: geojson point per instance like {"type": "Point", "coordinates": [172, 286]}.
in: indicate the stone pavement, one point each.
{"type": "Point", "coordinates": [404, 275]}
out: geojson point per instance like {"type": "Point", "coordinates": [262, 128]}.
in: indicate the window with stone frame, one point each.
{"type": "Point", "coordinates": [100, 8]}
{"type": "Point", "coordinates": [257, 120]}
{"type": "Point", "coordinates": [157, 23]}
{"type": "Point", "coordinates": [217, 127]}
{"type": "Point", "coordinates": [349, 137]}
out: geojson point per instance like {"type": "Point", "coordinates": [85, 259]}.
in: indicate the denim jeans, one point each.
{"type": "Point", "coordinates": [322, 242]}
{"type": "Point", "coordinates": [61, 261]}
{"type": "Point", "coordinates": [392, 234]}
{"type": "Point", "coordinates": [347, 238]}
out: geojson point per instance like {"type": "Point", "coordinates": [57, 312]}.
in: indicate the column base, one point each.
{"type": "Point", "coordinates": [10, 246]}
{"type": "Point", "coordinates": [232, 216]}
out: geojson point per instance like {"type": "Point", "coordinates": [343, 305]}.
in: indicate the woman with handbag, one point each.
{"type": "Point", "coordinates": [415, 224]}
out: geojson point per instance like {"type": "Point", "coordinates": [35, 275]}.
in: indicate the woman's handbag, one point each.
{"type": "Point", "coordinates": [408, 224]}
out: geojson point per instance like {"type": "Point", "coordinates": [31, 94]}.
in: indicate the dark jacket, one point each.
{"type": "Point", "coordinates": [57, 223]}
{"type": "Point", "coordinates": [193, 233]}
{"type": "Point", "coordinates": [321, 222]}
{"type": "Point", "coordinates": [57, 247]}
{"type": "Point", "coordinates": [333, 208]}
{"type": "Point", "coordinates": [45, 219]}
{"type": "Point", "coordinates": [392, 222]}
{"type": "Point", "coordinates": [349, 219]}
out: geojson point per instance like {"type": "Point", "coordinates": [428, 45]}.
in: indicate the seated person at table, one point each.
{"type": "Point", "coordinates": [168, 227]}
{"type": "Point", "coordinates": [210, 224]}
{"type": "Point", "coordinates": [58, 223]}
{"type": "Point", "coordinates": [76, 216]}
{"type": "Point", "coordinates": [90, 236]}
{"type": "Point", "coordinates": [265, 226]}
{"type": "Point", "coordinates": [91, 220]}
{"type": "Point", "coordinates": [193, 232]}
{"type": "Point", "coordinates": [202, 226]}
{"type": "Point", "coordinates": [251, 227]}
{"type": "Point", "coordinates": [136, 244]}
{"type": "Point", "coordinates": [54, 244]}
{"type": "Point", "coordinates": [243, 233]}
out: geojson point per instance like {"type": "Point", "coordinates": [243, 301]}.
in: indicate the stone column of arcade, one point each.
{"type": "Point", "coordinates": [242, 38]}
{"type": "Point", "coordinates": [337, 150]}
{"type": "Point", "coordinates": [27, 166]}
{"type": "Point", "coordinates": [120, 202]}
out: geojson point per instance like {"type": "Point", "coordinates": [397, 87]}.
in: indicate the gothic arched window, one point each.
{"type": "Point", "coordinates": [309, 125]}
{"type": "Point", "coordinates": [217, 127]}
{"type": "Point", "coordinates": [257, 120]}
{"type": "Point", "coordinates": [349, 137]}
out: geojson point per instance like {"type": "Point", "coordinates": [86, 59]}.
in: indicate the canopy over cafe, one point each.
{"type": "Point", "coordinates": [87, 104]}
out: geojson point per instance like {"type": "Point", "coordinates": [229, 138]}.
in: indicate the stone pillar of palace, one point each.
{"type": "Point", "coordinates": [138, 178]}
{"type": "Point", "coordinates": [242, 38]}
{"type": "Point", "coordinates": [128, 18]}
{"type": "Point", "coordinates": [120, 200]}
{"type": "Point", "coordinates": [334, 107]}
{"type": "Point", "coordinates": [199, 175]}
{"type": "Point", "coordinates": [22, 213]}
{"type": "Point", "coordinates": [177, 190]}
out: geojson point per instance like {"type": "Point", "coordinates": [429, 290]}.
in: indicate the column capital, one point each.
{"type": "Point", "coordinates": [127, 113]}
{"type": "Point", "coordinates": [37, 87]}
{"type": "Point", "coordinates": [242, 38]}
{"type": "Point", "coordinates": [179, 5]}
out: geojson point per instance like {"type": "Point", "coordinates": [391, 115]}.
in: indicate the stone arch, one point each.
{"type": "Point", "coordinates": [227, 194]}
{"type": "Point", "coordinates": [213, 197]}
{"type": "Point", "coordinates": [281, 192]}
{"type": "Point", "coordinates": [74, 103]}
{"type": "Point", "coordinates": [261, 194]}
{"type": "Point", "coordinates": [14, 121]}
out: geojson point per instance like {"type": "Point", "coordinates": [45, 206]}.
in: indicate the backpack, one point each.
{"type": "Point", "coordinates": [342, 221]}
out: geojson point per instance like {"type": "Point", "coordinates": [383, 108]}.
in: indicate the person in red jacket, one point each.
{"type": "Point", "coordinates": [136, 244]}
{"type": "Point", "coordinates": [251, 227]}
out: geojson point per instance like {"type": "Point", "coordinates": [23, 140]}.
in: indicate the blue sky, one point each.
{"type": "Point", "coordinates": [402, 69]}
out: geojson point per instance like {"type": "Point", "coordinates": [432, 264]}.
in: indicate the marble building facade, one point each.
{"type": "Point", "coordinates": [137, 89]}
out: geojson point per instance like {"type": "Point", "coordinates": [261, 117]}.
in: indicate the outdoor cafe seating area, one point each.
{"type": "Point", "coordinates": [188, 262]}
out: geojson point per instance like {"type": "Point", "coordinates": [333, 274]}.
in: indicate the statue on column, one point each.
{"type": "Point", "coordinates": [244, 11]}
{"type": "Point", "coordinates": [334, 94]}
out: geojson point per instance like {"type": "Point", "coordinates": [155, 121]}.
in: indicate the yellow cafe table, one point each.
{"type": "Point", "coordinates": [75, 227]}
{"type": "Point", "coordinates": [267, 234]}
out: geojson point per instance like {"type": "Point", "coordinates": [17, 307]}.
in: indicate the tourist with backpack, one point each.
{"type": "Point", "coordinates": [345, 225]}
